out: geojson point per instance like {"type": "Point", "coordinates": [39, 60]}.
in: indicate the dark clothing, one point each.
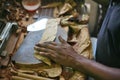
{"type": "Point", "coordinates": [108, 45]}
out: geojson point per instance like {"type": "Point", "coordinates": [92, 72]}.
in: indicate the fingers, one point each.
{"type": "Point", "coordinates": [52, 43]}
{"type": "Point", "coordinates": [48, 45]}
{"type": "Point", "coordinates": [47, 54]}
{"type": "Point", "coordinates": [40, 49]}
{"type": "Point", "coordinates": [53, 57]}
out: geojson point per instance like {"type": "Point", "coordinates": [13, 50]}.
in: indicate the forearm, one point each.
{"type": "Point", "coordinates": [96, 70]}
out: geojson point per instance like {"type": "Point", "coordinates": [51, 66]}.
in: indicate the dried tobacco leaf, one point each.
{"type": "Point", "coordinates": [19, 78]}
{"type": "Point", "coordinates": [61, 78]}
{"type": "Point", "coordinates": [82, 47]}
{"type": "Point", "coordinates": [78, 76]}
{"type": "Point", "coordinates": [52, 5]}
{"type": "Point", "coordinates": [44, 59]}
{"type": "Point", "coordinates": [51, 29]}
{"type": "Point", "coordinates": [56, 12]}
{"type": "Point", "coordinates": [71, 2]}
{"type": "Point", "coordinates": [33, 77]}
{"type": "Point", "coordinates": [64, 21]}
{"type": "Point", "coordinates": [67, 7]}
{"type": "Point", "coordinates": [54, 71]}
{"type": "Point", "coordinates": [84, 19]}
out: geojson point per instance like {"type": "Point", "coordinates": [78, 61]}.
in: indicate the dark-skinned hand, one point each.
{"type": "Point", "coordinates": [62, 53]}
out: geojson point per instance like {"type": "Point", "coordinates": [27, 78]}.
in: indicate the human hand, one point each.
{"type": "Point", "coordinates": [62, 53]}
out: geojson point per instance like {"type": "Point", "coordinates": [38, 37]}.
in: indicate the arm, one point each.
{"type": "Point", "coordinates": [96, 70]}
{"type": "Point", "coordinates": [65, 55]}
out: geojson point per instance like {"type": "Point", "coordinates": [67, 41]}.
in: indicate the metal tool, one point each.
{"type": "Point", "coordinates": [5, 34]}
{"type": "Point", "coordinates": [25, 54]}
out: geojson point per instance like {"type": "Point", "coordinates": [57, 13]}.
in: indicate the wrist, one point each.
{"type": "Point", "coordinates": [77, 61]}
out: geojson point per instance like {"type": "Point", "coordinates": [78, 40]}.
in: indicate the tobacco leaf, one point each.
{"type": "Point", "coordinates": [52, 71]}
{"type": "Point", "coordinates": [67, 7]}
{"type": "Point", "coordinates": [78, 76]}
{"type": "Point", "coordinates": [52, 5]}
{"type": "Point", "coordinates": [64, 21]}
{"type": "Point", "coordinates": [29, 76]}
{"type": "Point", "coordinates": [84, 19]}
{"type": "Point", "coordinates": [82, 47]}
{"type": "Point", "coordinates": [44, 59]}
{"type": "Point", "coordinates": [56, 12]}
{"type": "Point", "coordinates": [71, 2]}
{"type": "Point", "coordinates": [51, 29]}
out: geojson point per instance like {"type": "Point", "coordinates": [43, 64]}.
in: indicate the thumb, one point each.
{"type": "Point", "coordinates": [62, 40]}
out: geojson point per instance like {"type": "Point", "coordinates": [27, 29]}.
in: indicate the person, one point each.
{"type": "Point", "coordinates": [107, 64]}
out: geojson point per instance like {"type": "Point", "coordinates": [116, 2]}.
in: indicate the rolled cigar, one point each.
{"type": "Point", "coordinates": [19, 78]}
{"type": "Point", "coordinates": [32, 76]}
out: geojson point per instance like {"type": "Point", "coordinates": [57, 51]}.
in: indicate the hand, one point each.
{"type": "Point", "coordinates": [61, 53]}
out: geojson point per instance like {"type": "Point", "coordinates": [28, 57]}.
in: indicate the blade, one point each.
{"type": "Point", "coordinates": [25, 53]}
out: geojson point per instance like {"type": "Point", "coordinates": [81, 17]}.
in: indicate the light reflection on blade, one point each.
{"type": "Point", "coordinates": [39, 25]}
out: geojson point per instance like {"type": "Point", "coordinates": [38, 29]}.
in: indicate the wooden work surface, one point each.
{"type": "Point", "coordinates": [15, 40]}
{"type": "Point", "coordinates": [23, 42]}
